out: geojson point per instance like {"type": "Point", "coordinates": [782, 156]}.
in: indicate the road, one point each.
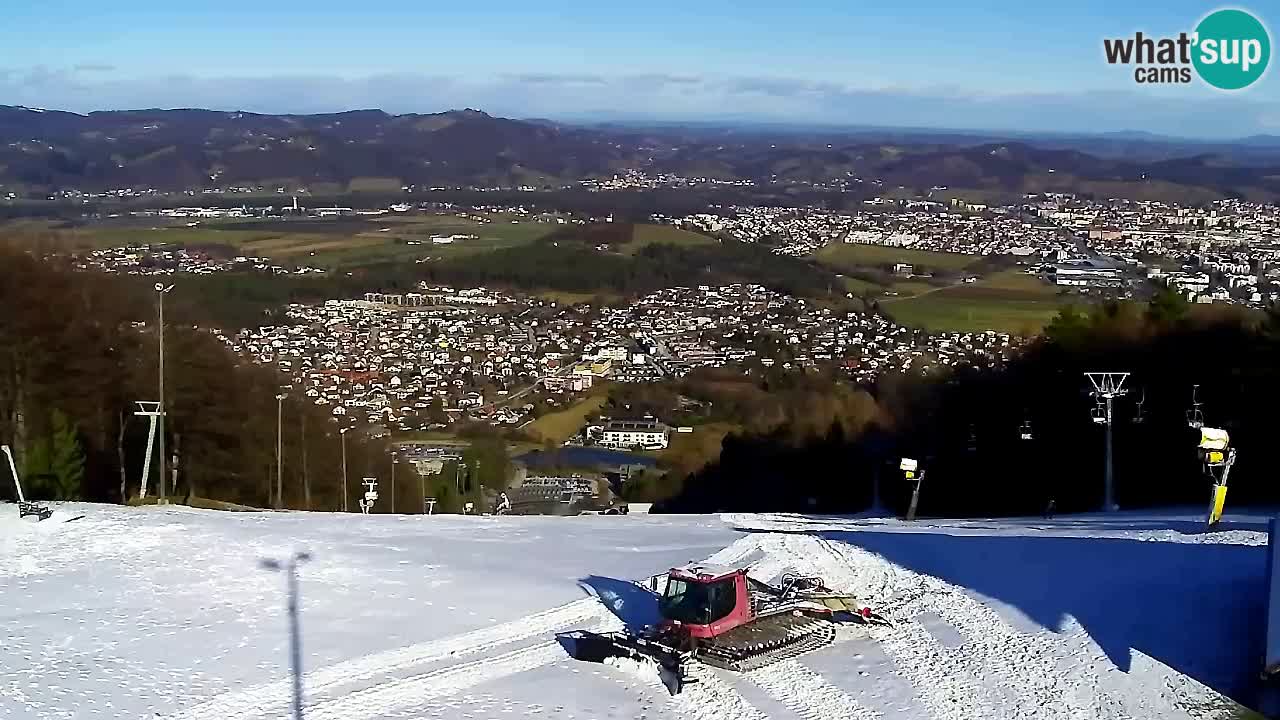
{"type": "Point", "coordinates": [525, 391]}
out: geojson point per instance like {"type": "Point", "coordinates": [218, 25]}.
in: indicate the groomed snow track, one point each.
{"type": "Point", "coordinates": [97, 624]}
{"type": "Point", "coordinates": [985, 669]}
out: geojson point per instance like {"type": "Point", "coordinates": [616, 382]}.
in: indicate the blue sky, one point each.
{"type": "Point", "coordinates": [994, 64]}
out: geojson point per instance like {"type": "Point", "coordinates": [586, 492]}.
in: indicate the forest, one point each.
{"type": "Point", "coordinates": [568, 261]}
{"type": "Point", "coordinates": [965, 426]}
{"type": "Point", "coordinates": [78, 350]}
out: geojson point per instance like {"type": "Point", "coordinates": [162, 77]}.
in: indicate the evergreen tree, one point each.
{"type": "Point", "coordinates": [37, 472]}
{"type": "Point", "coordinates": [487, 464]}
{"type": "Point", "coordinates": [1167, 307]}
{"type": "Point", "coordinates": [66, 459]}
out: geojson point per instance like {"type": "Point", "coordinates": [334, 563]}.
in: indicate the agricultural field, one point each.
{"type": "Point", "coordinates": [912, 288]}
{"type": "Point", "coordinates": [335, 243]}
{"type": "Point", "coordinates": [559, 426]}
{"type": "Point", "coordinates": [565, 297]}
{"type": "Point", "coordinates": [93, 237]}
{"type": "Point", "coordinates": [844, 257]}
{"type": "Point", "coordinates": [1008, 301]}
{"type": "Point", "coordinates": [896, 288]}
{"type": "Point", "coordinates": [644, 235]}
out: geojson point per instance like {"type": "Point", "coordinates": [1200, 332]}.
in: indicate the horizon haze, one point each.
{"type": "Point", "coordinates": [1001, 67]}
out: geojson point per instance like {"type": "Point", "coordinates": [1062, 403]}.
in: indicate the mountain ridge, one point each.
{"type": "Point", "coordinates": [43, 151]}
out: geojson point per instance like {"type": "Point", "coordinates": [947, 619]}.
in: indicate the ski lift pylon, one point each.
{"type": "Point", "coordinates": [1195, 418]}
{"type": "Point", "coordinates": [1026, 430]}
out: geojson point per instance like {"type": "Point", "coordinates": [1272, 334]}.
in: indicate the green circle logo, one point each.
{"type": "Point", "coordinates": [1232, 49]}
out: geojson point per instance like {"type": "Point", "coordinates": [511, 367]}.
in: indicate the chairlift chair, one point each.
{"type": "Point", "coordinates": [1138, 417]}
{"type": "Point", "coordinates": [1098, 414]}
{"type": "Point", "coordinates": [1195, 418]}
{"type": "Point", "coordinates": [25, 507]}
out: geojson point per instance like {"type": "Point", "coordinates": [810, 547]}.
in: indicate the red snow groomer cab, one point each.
{"type": "Point", "coordinates": [721, 616]}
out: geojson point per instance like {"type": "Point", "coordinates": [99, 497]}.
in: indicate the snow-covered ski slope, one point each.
{"type": "Point", "coordinates": [146, 612]}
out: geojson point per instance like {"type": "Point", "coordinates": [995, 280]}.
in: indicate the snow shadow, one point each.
{"type": "Point", "coordinates": [635, 606]}
{"type": "Point", "coordinates": [1198, 608]}
{"type": "Point", "coordinates": [1190, 524]}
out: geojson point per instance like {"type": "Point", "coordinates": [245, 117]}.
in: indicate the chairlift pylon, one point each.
{"type": "Point", "coordinates": [1026, 430]}
{"type": "Point", "coordinates": [1195, 418]}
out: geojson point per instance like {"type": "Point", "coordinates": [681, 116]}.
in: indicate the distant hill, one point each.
{"type": "Point", "coordinates": [333, 153]}
{"type": "Point", "coordinates": [1270, 141]}
{"type": "Point", "coordinates": [179, 149]}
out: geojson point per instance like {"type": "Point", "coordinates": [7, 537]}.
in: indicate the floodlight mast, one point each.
{"type": "Point", "coordinates": [1107, 386]}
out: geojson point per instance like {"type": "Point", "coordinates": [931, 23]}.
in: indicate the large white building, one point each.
{"type": "Point", "coordinates": [648, 434]}
{"type": "Point", "coordinates": [1086, 273]}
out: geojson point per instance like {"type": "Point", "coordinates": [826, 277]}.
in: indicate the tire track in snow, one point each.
{"type": "Point", "coordinates": [711, 698]}
{"type": "Point", "coordinates": [410, 693]}
{"type": "Point", "coordinates": [274, 697]}
{"type": "Point", "coordinates": [807, 694]}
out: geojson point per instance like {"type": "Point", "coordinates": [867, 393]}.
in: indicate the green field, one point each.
{"type": "Point", "coordinates": [845, 257]}
{"type": "Point", "coordinates": [911, 288]}
{"type": "Point", "coordinates": [901, 289]}
{"type": "Point", "coordinates": [361, 251]}
{"type": "Point", "coordinates": [336, 243]}
{"type": "Point", "coordinates": [559, 426]}
{"type": "Point", "coordinates": [105, 236]}
{"type": "Point", "coordinates": [565, 297]}
{"type": "Point", "coordinates": [1008, 301]}
{"type": "Point", "coordinates": [644, 235]}
{"type": "Point", "coordinates": [374, 184]}
{"type": "Point", "coordinates": [859, 286]}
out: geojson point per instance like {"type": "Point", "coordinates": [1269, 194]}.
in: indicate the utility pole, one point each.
{"type": "Point", "coordinates": [394, 463]}
{"type": "Point", "coordinates": [279, 503]}
{"type": "Point", "coordinates": [290, 569]}
{"type": "Point", "coordinates": [342, 433]}
{"type": "Point", "coordinates": [161, 291]}
{"type": "Point", "coordinates": [1107, 386]}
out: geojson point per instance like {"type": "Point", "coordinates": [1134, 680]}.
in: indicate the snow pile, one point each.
{"type": "Point", "coordinates": [643, 671]}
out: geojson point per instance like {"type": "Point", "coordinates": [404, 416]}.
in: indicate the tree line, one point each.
{"type": "Point", "coordinates": [78, 350]}
{"type": "Point", "coordinates": [966, 425]}
{"type": "Point", "coordinates": [567, 260]}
